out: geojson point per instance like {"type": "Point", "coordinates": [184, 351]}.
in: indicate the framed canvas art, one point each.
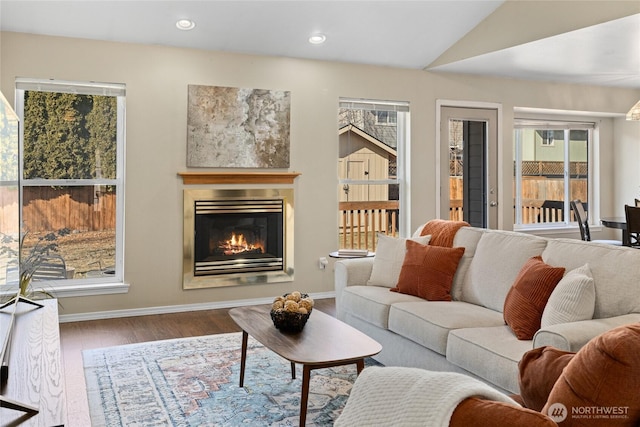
{"type": "Point", "coordinates": [237, 128]}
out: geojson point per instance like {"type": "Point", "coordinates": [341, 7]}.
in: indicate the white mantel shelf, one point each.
{"type": "Point", "coordinates": [238, 177]}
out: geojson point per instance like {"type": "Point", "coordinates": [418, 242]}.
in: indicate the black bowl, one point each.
{"type": "Point", "coordinates": [290, 321]}
{"type": "Point", "coordinates": [287, 321]}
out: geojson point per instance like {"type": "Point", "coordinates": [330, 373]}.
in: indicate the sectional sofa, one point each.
{"type": "Point", "coordinates": [598, 290]}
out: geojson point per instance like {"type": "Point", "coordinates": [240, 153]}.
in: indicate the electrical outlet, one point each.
{"type": "Point", "coordinates": [322, 263]}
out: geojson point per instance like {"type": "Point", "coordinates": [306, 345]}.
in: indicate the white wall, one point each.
{"type": "Point", "coordinates": [157, 79]}
{"type": "Point", "coordinates": [626, 184]}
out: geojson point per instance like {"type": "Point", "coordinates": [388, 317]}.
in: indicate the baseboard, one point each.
{"type": "Point", "coordinates": [65, 318]}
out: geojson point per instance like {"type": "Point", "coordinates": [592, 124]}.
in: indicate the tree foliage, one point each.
{"type": "Point", "coordinates": [69, 136]}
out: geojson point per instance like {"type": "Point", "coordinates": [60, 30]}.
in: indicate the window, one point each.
{"type": "Point", "coordinates": [386, 117]}
{"type": "Point", "coordinates": [9, 222]}
{"type": "Point", "coordinates": [551, 167]}
{"type": "Point", "coordinates": [371, 168]}
{"type": "Point", "coordinates": [548, 137]}
{"type": "Point", "coordinates": [72, 175]}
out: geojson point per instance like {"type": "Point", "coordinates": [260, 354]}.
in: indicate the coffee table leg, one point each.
{"type": "Point", "coordinates": [360, 365]}
{"type": "Point", "coordinates": [293, 371]}
{"type": "Point", "coordinates": [304, 395]}
{"type": "Point", "coordinates": [243, 358]}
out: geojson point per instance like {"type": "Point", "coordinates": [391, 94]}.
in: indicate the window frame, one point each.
{"type": "Point", "coordinates": [548, 139]}
{"type": "Point", "coordinates": [386, 121]}
{"type": "Point", "coordinates": [555, 124]}
{"type": "Point", "coordinates": [403, 143]}
{"type": "Point", "coordinates": [83, 286]}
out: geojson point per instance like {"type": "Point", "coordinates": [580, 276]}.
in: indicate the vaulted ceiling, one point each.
{"type": "Point", "coordinates": [589, 42]}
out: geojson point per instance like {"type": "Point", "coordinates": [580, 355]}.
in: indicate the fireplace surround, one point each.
{"type": "Point", "coordinates": [237, 236]}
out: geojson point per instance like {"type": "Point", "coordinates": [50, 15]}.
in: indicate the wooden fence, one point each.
{"type": "Point", "coordinates": [89, 209]}
{"type": "Point", "coordinates": [533, 211]}
{"type": "Point", "coordinates": [51, 208]}
{"type": "Point", "coordinates": [542, 196]}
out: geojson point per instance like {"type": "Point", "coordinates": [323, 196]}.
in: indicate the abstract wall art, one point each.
{"type": "Point", "coordinates": [237, 128]}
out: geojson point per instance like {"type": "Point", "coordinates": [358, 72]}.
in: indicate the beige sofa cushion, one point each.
{"type": "Point", "coordinates": [428, 322]}
{"type": "Point", "coordinates": [491, 353]}
{"type": "Point", "coordinates": [615, 271]}
{"type": "Point", "coordinates": [498, 258]}
{"type": "Point", "coordinates": [467, 238]}
{"type": "Point", "coordinates": [388, 260]}
{"type": "Point", "coordinates": [372, 303]}
{"type": "Point", "coordinates": [572, 300]}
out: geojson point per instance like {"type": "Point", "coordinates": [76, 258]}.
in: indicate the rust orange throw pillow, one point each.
{"type": "Point", "coordinates": [539, 369]}
{"type": "Point", "coordinates": [427, 271]}
{"type": "Point", "coordinates": [600, 386]}
{"type": "Point", "coordinates": [528, 296]}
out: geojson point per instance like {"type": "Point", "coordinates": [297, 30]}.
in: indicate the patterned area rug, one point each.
{"type": "Point", "coordinates": [194, 382]}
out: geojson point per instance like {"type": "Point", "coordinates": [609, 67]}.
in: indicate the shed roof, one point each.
{"type": "Point", "coordinates": [353, 128]}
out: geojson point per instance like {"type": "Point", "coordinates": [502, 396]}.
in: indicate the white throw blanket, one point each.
{"type": "Point", "coordinates": [394, 396]}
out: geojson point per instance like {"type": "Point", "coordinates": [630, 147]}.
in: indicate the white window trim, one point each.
{"type": "Point", "coordinates": [403, 124]}
{"type": "Point", "coordinates": [560, 123]}
{"type": "Point", "coordinates": [91, 286]}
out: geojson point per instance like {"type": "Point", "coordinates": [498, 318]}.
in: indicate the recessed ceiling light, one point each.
{"type": "Point", "coordinates": [317, 39]}
{"type": "Point", "coordinates": [185, 24]}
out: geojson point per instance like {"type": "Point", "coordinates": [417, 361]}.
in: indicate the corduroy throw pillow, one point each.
{"type": "Point", "coordinates": [525, 302]}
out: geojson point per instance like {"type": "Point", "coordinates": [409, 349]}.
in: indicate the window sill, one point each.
{"type": "Point", "coordinates": [85, 290]}
{"type": "Point", "coordinates": [547, 230]}
{"type": "Point", "coordinates": [541, 231]}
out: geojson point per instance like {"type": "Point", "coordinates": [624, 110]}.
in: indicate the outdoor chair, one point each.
{"type": "Point", "coordinates": [51, 267]}
{"type": "Point", "coordinates": [551, 211]}
{"type": "Point", "coordinates": [632, 215]}
{"type": "Point", "coordinates": [583, 222]}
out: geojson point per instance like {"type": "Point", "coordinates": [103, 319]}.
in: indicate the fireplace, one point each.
{"type": "Point", "coordinates": [238, 236]}
{"type": "Point", "coordinates": [234, 237]}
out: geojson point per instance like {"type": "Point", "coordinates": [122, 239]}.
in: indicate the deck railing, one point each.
{"type": "Point", "coordinates": [533, 211]}
{"type": "Point", "coordinates": [536, 211]}
{"type": "Point", "coordinates": [361, 221]}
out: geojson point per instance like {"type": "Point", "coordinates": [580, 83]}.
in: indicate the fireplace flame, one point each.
{"type": "Point", "coordinates": [237, 244]}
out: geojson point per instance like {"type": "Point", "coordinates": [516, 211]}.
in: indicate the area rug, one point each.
{"type": "Point", "coordinates": [194, 382]}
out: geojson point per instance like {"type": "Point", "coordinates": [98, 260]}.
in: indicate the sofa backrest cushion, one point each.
{"type": "Point", "coordinates": [615, 271]}
{"type": "Point", "coordinates": [467, 238]}
{"type": "Point", "coordinates": [604, 376]}
{"type": "Point", "coordinates": [498, 258]}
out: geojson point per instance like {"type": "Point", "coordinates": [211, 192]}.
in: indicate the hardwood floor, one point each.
{"type": "Point", "coordinates": [78, 336]}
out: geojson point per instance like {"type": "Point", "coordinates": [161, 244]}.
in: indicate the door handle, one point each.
{"type": "Point", "coordinates": [493, 203]}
